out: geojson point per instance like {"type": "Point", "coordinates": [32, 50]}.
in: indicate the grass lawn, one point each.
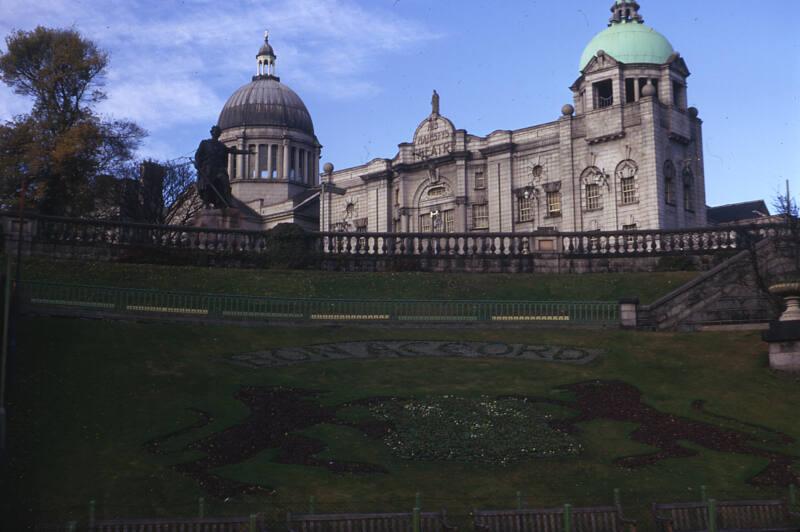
{"type": "Point", "coordinates": [403, 285]}
{"type": "Point", "coordinates": [89, 395]}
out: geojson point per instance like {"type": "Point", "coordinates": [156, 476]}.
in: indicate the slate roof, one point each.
{"type": "Point", "coordinates": [736, 212]}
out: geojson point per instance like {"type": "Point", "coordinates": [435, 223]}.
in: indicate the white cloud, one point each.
{"type": "Point", "coordinates": [175, 63]}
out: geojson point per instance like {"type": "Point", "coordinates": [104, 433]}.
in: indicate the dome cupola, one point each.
{"type": "Point", "coordinates": [266, 58]}
{"type": "Point", "coordinates": [627, 39]}
{"type": "Point", "coordinates": [265, 101]}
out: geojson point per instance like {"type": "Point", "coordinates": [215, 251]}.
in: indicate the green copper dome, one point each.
{"type": "Point", "coordinates": [629, 42]}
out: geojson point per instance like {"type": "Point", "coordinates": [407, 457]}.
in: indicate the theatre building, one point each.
{"type": "Point", "coordinates": [627, 153]}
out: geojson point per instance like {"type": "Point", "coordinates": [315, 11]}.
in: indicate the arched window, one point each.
{"type": "Point", "coordinates": [669, 183]}
{"type": "Point", "coordinates": [688, 189]}
{"type": "Point", "coordinates": [592, 180]}
{"type": "Point", "coordinates": [626, 176]}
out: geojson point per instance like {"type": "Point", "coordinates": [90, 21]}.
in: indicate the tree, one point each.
{"type": "Point", "coordinates": [151, 192]}
{"type": "Point", "coordinates": [162, 185]}
{"type": "Point", "coordinates": [786, 207]}
{"type": "Point", "coordinates": [62, 147]}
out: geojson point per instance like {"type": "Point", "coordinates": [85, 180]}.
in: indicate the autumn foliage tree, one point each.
{"type": "Point", "coordinates": [62, 147]}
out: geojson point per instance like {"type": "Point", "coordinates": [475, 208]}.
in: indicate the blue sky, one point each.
{"type": "Point", "coordinates": [366, 69]}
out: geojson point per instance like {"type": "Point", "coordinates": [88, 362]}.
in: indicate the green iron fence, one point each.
{"type": "Point", "coordinates": [36, 295]}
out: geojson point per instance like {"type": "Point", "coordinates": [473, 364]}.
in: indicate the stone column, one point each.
{"type": "Point", "coordinates": [315, 170]}
{"type": "Point", "coordinates": [258, 160]}
{"type": "Point", "coordinates": [241, 167]}
{"type": "Point", "coordinates": [307, 167]}
{"type": "Point", "coordinates": [286, 163]}
{"type": "Point", "coordinates": [231, 166]}
{"type": "Point", "coordinates": [269, 161]}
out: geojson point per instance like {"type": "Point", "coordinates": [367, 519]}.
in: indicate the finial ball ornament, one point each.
{"type": "Point", "coordinates": [649, 89]}
{"type": "Point", "coordinates": [327, 168]}
{"type": "Point", "coordinates": [693, 112]}
{"type": "Point", "coordinates": [567, 110]}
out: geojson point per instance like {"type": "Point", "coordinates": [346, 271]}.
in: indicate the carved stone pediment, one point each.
{"type": "Point", "coordinates": [554, 186]}
{"type": "Point", "coordinates": [677, 63]}
{"type": "Point", "coordinates": [599, 62]}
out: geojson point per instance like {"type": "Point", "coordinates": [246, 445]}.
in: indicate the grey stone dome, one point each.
{"type": "Point", "coordinates": [265, 101]}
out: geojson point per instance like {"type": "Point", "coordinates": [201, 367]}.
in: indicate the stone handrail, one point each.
{"type": "Point", "coordinates": [38, 229]}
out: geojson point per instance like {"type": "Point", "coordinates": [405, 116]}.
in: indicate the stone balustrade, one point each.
{"type": "Point", "coordinates": [609, 243]}
{"type": "Point", "coordinates": [56, 231]}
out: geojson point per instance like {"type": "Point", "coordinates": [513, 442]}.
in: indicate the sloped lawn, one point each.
{"type": "Point", "coordinates": [89, 398]}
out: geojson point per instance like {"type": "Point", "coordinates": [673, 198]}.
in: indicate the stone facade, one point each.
{"type": "Point", "coordinates": [627, 154]}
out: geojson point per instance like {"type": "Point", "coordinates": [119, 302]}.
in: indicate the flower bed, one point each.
{"type": "Point", "coordinates": [479, 430]}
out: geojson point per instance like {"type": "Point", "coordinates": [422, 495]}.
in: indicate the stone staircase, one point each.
{"type": "Point", "coordinates": [729, 294]}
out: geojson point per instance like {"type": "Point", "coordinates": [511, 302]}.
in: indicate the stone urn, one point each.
{"type": "Point", "coordinates": [790, 292]}
{"type": "Point", "coordinates": [783, 335]}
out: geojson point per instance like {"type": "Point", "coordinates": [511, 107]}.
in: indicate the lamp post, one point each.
{"type": "Point", "coordinates": [22, 191]}
{"type": "Point", "coordinates": [7, 308]}
{"type": "Point", "coordinates": [436, 220]}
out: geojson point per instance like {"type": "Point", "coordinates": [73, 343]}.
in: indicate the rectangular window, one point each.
{"type": "Point", "coordinates": [554, 204]}
{"type": "Point", "coordinates": [301, 164]}
{"type": "Point", "coordinates": [262, 160]}
{"type": "Point", "coordinates": [448, 221]}
{"type": "Point", "coordinates": [688, 199]}
{"type": "Point", "coordinates": [603, 94]}
{"type": "Point", "coordinates": [678, 95]}
{"type": "Point", "coordinates": [592, 197]}
{"type": "Point", "coordinates": [251, 161]}
{"type": "Point", "coordinates": [425, 223]}
{"type": "Point", "coordinates": [480, 216]}
{"type": "Point", "coordinates": [628, 190]}
{"type": "Point", "coordinates": [630, 90]}
{"type": "Point", "coordinates": [273, 166]}
{"type": "Point", "coordinates": [669, 190]}
{"type": "Point", "coordinates": [525, 208]}
{"type": "Point", "coordinates": [480, 180]}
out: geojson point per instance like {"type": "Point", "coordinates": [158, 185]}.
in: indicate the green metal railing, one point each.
{"type": "Point", "coordinates": [45, 295]}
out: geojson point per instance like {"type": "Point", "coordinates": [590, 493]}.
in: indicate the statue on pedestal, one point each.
{"type": "Point", "coordinates": [435, 103]}
{"type": "Point", "coordinates": [211, 162]}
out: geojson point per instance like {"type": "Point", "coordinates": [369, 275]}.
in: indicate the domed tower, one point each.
{"type": "Point", "coordinates": [630, 102]}
{"type": "Point", "coordinates": [271, 122]}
